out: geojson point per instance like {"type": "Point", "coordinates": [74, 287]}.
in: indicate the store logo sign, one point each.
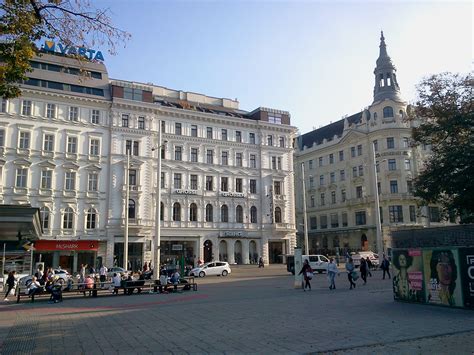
{"type": "Point", "coordinates": [91, 54]}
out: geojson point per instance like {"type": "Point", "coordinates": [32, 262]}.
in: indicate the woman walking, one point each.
{"type": "Point", "coordinates": [363, 270]}
{"type": "Point", "coordinates": [307, 274]}
{"type": "Point", "coordinates": [332, 271]}
{"type": "Point", "coordinates": [10, 283]}
{"type": "Point", "coordinates": [350, 269]}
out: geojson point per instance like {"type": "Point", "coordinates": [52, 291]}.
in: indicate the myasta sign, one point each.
{"type": "Point", "coordinates": [91, 54]}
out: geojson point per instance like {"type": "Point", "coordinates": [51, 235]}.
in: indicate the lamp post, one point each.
{"type": "Point", "coordinates": [127, 197]}
{"type": "Point", "coordinates": [157, 239]}
{"type": "Point", "coordinates": [378, 223]}
{"type": "Point", "coordinates": [305, 219]}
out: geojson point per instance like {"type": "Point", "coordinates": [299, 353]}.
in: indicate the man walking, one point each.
{"type": "Point", "coordinates": [385, 267]}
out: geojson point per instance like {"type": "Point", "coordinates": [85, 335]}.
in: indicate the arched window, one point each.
{"type": "Point", "coordinates": [387, 111]}
{"type": "Point", "coordinates": [91, 219]}
{"type": "Point", "coordinates": [131, 209]}
{"type": "Point", "coordinates": [253, 214]}
{"type": "Point", "coordinates": [162, 213]}
{"type": "Point", "coordinates": [277, 215]}
{"type": "Point", "coordinates": [193, 212]}
{"type": "Point", "coordinates": [68, 219]}
{"type": "Point", "coordinates": [239, 214]}
{"type": "Point", "coordinates": [209, 213]}
{"type": "Point", "coordinates": [44, 213]}
{"type": "Point", "coordinates": [176, 212]}
{"type": "Point", "coordinates": [224, 213]}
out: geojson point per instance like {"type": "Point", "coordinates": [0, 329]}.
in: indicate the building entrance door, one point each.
{"type": "Point", "coordinates": [275, 252]}
{"type": "Point", "coordinates": [207, 251]}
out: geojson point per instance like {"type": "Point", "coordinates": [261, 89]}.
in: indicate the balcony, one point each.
{"type": "Point", "coordinates": [69, 193]}
{"type": "Point", "coordinates": [23, 151]}
{"type": "Point", "coordinates": [47, 154]}
{"type": "Point", "coordinates": [71, 156]}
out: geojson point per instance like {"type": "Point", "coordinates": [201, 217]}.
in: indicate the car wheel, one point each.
{"type": "Point", "coordinates": [202, 274]}
{"type": "Point", "coordinates": [224, 273]}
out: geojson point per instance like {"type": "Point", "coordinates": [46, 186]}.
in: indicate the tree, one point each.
{"type": "Point", "coordinates": [24, 22]}
{"type": "Point", "coordinates": [444, 112]}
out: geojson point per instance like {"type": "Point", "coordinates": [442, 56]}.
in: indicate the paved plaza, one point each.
{"type": "Point", "coordinates": [251, 311]}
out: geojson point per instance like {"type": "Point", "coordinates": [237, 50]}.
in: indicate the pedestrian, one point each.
{"type": "Point", "coordinates": [175, 280]}
{"type": "Point", "coordinates": [163, 282]}
{"type": "Point", "coordinates": [103, 275]}
{"type": "Point", "coordinates": [145, 267]}
{"type": "Point", "coordinates": [385, 267]}
{"type": "Point", "coordinates": [307, 274]}
{"type": "Point", "coordinates": [260, 262]}
{"type": "Point", "coordinates": [369, 266]}
{"type": "Point", "coordinates": [350, 272]}
{"type": "Point", "coordinates": [332, 271]}
{"type": "Point", "coordinates": [39, 272]}
{"type": "Point", "coordinates": [117, 280]}
{"type": "Point", "coordinates": [363, 270]}
{"type": "Point", "coordinates": [11, 281]}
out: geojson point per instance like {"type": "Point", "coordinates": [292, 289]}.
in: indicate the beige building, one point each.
{"type": "Point", "coordinates": [341, 185]}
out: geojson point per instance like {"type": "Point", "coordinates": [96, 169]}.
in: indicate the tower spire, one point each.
{"type": "Point", "coordinates": [386, 85]}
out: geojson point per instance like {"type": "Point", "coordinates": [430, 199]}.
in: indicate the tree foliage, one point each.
{"type": "Point", "coordinates": [24, 22]}
{"type": "Point", "coordinates": [444, 110]}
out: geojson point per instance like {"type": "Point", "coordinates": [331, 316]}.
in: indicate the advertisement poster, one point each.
{"type": "Point", "coordinates": [408, 275]}
{"type": "Point", "coordinates": [442, 277]}
{"type": "Point", "coordinates": [466, 259]}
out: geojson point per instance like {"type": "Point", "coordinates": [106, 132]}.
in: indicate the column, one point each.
{"type": "Point", "coordinates": [230, 251]}
{"type": "Point", "coordinates": [245, 251]}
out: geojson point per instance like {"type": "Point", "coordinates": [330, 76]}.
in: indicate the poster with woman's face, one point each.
{"type": "Point", "coordinates": [442, 277]}
{"type": "Point", "coordinates": [408, 275]}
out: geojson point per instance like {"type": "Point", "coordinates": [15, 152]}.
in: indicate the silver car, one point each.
{"type": "Point", "coordinates": [218, 268]}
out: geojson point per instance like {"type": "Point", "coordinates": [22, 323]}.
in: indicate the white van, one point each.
{"type": "Point", "coordinates": [319, 263]}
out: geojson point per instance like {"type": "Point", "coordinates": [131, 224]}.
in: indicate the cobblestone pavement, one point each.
{"type": "Point", "coordinates": [250, 311]}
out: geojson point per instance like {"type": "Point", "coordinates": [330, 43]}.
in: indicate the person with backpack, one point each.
{"type": "Point", "coordinates": [385, 267]}
{"type": "Point", "coordinates": [307, 274]}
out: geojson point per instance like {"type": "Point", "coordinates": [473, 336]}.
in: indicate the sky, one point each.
{"type": "Point", "coordinates": [314, 59]}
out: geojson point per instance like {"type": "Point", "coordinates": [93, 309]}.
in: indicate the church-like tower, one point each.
{"type": "Point", "coordinates": [386, 85]}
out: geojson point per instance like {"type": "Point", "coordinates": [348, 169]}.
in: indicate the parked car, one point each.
{"type": "Point", "coordinates": [217, 268]}
{"type": "Point", "coordinates": [111, 271]}
{"type": "Point", "coordinates": [373, 257]}
{"type": "Point", "coordinates": [319, 263]}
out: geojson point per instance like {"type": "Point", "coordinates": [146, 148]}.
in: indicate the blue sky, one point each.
{"type": "Point", "coordinates": [314, 59]}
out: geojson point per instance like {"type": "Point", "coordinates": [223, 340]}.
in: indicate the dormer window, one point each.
{"type": "Point", "coordinates": [387, 112]}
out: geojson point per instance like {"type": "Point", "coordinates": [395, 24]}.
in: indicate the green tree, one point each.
{"type": "Point", "coordinates": [24, 22]}
{"type": "Point", "coordinates": [444, 119]}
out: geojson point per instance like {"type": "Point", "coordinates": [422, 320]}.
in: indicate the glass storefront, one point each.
{"type": "Point", "coordinates": [178, 253]}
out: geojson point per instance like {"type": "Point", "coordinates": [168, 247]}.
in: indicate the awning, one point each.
{"type": "Point", "coordinates": [19, 222]}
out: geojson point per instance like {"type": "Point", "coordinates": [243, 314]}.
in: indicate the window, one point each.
{"type": "Point", "coordinates": [209, 213]}
{"type": "Point", "coordinates": [131, 209]}
{"type": "Point", "coordinates": [252, 138]}
{"type": "Point", "coordinates": [376, 145]}
{"type": "Point", "coordinates": [193, 182]}
{"type": "Point", "coordinates": [72, 145]}
{"type": "Point", "coordinates": [282, 142]}
{"type": "Point", "coordinates": [194, 130]}
{"type": "Point", "coordinates": [162, 213]}
{"type": "Point", "coordinates": [321, 180]}
{"type": "Point", "coordinates": [407, 164]}
{"type": "Point", "coordinates": [361, 170]}
{"type": "Point", "coordinates": [210, 156]}
{"type": "Point", "coordinates": [334, 220]}
{"type": "Point", "coordinates": [360, 218]}
{"type": "Point", "coordinates": [390, 143]}
{"type": "Point", "coordinates": [177, 181]}
{"type": "Point", "coordinates": [48, 142]}
{"type": "Point", "coordinates": [95, 147]}
{"type": "Point", "coordinates": [178, 153]}
{"type": "Point", "coordinates": [277, 215]}
{"type": "Point", "coordinates": [68, 218]}
{"type": "Point", "coordinates": [311, 201]}
{"type": "Point", "coordinates": [323, 199]}
{"type": "Point", "coordinates": [177, 128]}
{"type": "Point", "coordinates": [354, 171]}
{"type": "Point", "coordinates": [2, 137]}
{"type": "Point", "coordinates": [141, 122]}
{"type": "Point", "coordinates": [24, 140]}
{"type": "Point", "coordinates": [320, 161]}
{"type": "Point", "coordinates": [194, 155]}
{"type": "Point", "coordinates": [410, 186]}
{"type": "Point", "coordinates": [26, 108]}
{"type": "Point", "coordinates": [44, 214]}
{"type": "Point", "coordinates": [163, 126]}
{"type": "Point", "coordinates": [344, 219]}
{"type": "Point", "coordinates": [387, 112]}
{"type": "Point", "coordinates": [332, 177]}
{"type": "Point", "coordinates": [341, 155]}
{"type": "Point", "coordinates": [125, 119]}
{"type": "Point", "coordinates": [434, 214]}
{"type": "Point", "coordinates": [358, 191]}
{"type": "Point", "coordinates": [311, 182]}
{"type": "Point", "coordinates": [73, 113]}
{"type": "Point", "coordinates": [209, 183]}
{"type": "Point", "coordinates": [379, 188]}
{"type": "Point", "coordinates": [3, 107]}
{"type": "Point", "coordinates": [343, 195]}
{"type": "Point", "coordinates": [193, 212]}
{"type": "Point", "coordinates": [238, 136]}
{"type": "Point", "coordinates": [224, 134]}
{"type": "Point", "coordinates": [176, 212]}
{"type": "Point", "coordinates": [95, 116]}
{"type": "Point", "coordinates": [209, 132]}
{"type": "Point", "coordinates": [406, 142]}
{"type": "Point", "coordinates": [224, 213]}
{"type": "Point", "coordinates": [70, 180]}
{"type": "Point", "coordinates": [132, 147]}
{"type": "Point", "coordinates": [333, 197]}
{"type": "Point", "coordinates": [253, 161]}
{"type": "Point", "coordinates": [162, 180]}
{"type": "Point", "coordinates": [21, 177]}
{"type": "Point", "coordinates": [331, 158]}
{"type": "Point", "coordinates": [133, 94]}
{"type": "Point", "coordinates": [310, 164]}
{"type": "Point", "coordinates": [353, 152]}
{"type": "Point", "coordinates": [238, 185]}
{"type": "Point", "coordinates": [359, 150]}
{"type": "Point", "coordinates": [239, 214]}
{"type": "Point", "coordinates": [225, 158]}
{"type": "Point", "coordinates": [270, 140]}
{"type": "Point", "coordinates": [91, 219]}
{"type": "Point", "coordinates": [392, 164]}
{"type": "Point", "coordinates": [238, 159]}
{"type": "Point", "coordinates": [393, 186]}
{"type": "Point", "coordinates": [396, 214]}
{"type": "Point", "coordinates": [412, 213]}
{"type": "Point", "coordinates": [377, 167]}
{"type": "Point", "coordinates": [253, 214]}
{"type": "Point", "coordinates": [253, 186]}
{"type": "Point", "coordinates": [342, 175]}
{"type": "Point", "coordinates": [277, 187]}
{"type": "Point", "coordinates": [46, 179]}
{"type": "Point", "coordinates": [93, 182]}
{"type": "Point", "coordinates": [132, 177]}
{"type": "Point", "coordinates": [313, 222]}
{"type": "Point", "coordinates": [274, 118]}
{"type": "Point", "coordinates": [324, 222]}
{"type": "Point", "coordinates": [224, 184]}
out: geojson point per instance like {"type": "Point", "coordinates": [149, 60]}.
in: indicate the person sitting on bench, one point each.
{"type": "Point", "coordinates": [34, 287]}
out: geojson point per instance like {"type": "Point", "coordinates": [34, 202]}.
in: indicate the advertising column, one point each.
{"type": "Point", "coordinates": [408, 275]}
{"type": "Point", "coordinates": [466, 260]}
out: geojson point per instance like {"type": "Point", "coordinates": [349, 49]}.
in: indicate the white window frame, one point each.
{"type": "Point", "coordinates": [73, 113]}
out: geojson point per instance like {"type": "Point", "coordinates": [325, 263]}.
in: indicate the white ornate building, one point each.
{"type": "Point", "coordinates": [340, 176]}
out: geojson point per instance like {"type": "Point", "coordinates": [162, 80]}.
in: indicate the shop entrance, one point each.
{"type": "Point", "coordinates": [135, 256]}
{"type": "Point", "coordinates": [275, 252]}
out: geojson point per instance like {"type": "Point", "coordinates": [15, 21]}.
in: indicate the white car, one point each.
{"type": "Point", "coordinates": [217, 268]}
{"type": "Point", "coordinates": [111, 271]}
{"type": "Point", "coordinates": [319, 263]}
{"type": "Point", "coordinates": [374, 258]}
{"type": "Point", "coordinates": [63, 276]}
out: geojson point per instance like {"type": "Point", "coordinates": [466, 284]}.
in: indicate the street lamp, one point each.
{"type": "Point", "coordinates": [157, 239]}
{"type": "Point", "coordinates": [127, 197]}
{"type": "Point", "coordinates": [305, 219]}
{"type": "Point", "coordinates": [378, 223]}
